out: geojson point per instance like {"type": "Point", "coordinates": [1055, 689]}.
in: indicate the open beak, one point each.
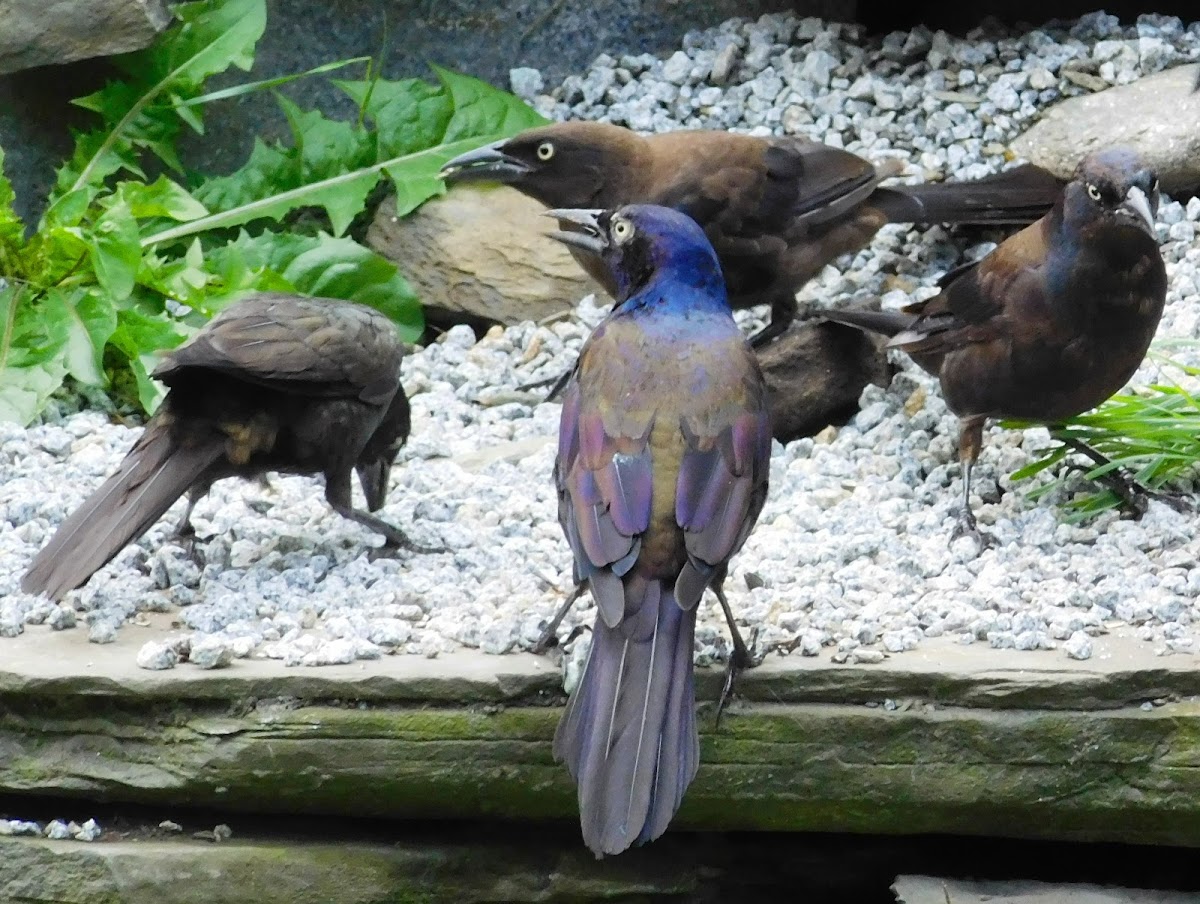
{"type": "Point", "coordinates": [486, 164]}
{"type": "Point", "coordinates": [1137, 206]}
{"type": "Point", "coordinates": [374, 477]}
{"type": "Point", "coordinates": [580, 229]}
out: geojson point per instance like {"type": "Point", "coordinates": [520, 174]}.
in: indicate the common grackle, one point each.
{"type": "Point", "coordinates": [1051, 323]}
{"type": "Point", "coordinates": [663, 458]}
{"type": "Point", "coordinates": [777, 210]}
{"type": "Point", "coordinates": [273, 383]}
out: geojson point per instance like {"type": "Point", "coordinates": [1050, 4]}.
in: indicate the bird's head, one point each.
{"type": "Point", "coordinates": [1112, 186]}
{"type": "Point", "coordinates": [569, 164]}
{"type": "Point", "coordinates": [641, 242]}
{"type": "Point", "coordinates": [374, 465]}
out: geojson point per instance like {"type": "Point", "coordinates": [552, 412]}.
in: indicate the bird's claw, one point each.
{"type": "Point", "coordinates": [393, 545]}
{"type": "Point", "coordinates": [740, 659]}
{"type": "Point", "coordinates": [966, 527]}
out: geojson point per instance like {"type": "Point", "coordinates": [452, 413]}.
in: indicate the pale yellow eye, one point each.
{"type": "Point", "coordinates": [1093, 193]}
{"type": "Point", "coordinates": [622, 230]}
{"type": "Point", "coordinates": [545, 151]}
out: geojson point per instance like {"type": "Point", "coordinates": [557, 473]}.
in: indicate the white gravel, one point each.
{"type": "Point", "coordinates": [850, 558]}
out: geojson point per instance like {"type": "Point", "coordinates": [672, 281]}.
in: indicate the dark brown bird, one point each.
{"type": "Point", "coordinates": [776, 210]}
{"type": "Point", "coordinates": [273, 383]}
{"type": "Point", "coordinates": [1051, 323]}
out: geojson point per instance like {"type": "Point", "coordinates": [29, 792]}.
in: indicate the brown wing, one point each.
{"type": "Point", "coordinates": [312, 346]}
{"type": "Point", "coordinates": [987, 301]}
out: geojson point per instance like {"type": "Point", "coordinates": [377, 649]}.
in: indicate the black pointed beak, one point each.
{"type": "Point", "coordinates": [580, 229]}
{"type": "Point", "coordinates": [374, 477]}
{"type": "Point", "coordinates": [1140, 209]}
{"type": "Point", "coordinates": [486, 164]}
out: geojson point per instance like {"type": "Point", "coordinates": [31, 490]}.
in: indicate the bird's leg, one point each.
{"type": "Point", "coordinates": [549, 636]}
{"type": "Point", "coordinates": [1132, 494]}
{"type": "Point", "coordinates": [783, 312]}
{"type": "Point", "coordinates": [970, 441]}
{"type": "Point", "coordinates": [739, 659]}
{"type": "Point", "coordinates": [337, 493]}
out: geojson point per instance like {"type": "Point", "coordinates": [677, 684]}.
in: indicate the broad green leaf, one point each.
{"type": "Point", "coordinates": [91, 321]}
{"type": "Point", "coordinates": [409, 115]}
{"type": "Point", "coordinates": [481, 109]}
{"type": "Point", "coordinates": [319, 265]}
{"type": "Point", "coordinates": [115, 250]}
{"type": "Point", "coordinates": [161, 198]}
{"type": "Point", "coordinates": [32, 343]}
{"type": "Point", "coordinates": [141, 337]}
{"type": "Point", "coordinates": [139, 113]}
{"type": "Point", "coordinates": [325, 167]}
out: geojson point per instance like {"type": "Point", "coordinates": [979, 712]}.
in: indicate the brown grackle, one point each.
{"type": "Point", "coordinates": [273, 383]}
{"type": "Point", "coordinates": [1051, 323]}
{"type": "Point", "coordinates": [777, 210]}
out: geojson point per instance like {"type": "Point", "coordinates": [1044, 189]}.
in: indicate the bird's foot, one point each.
{"type": "Point", "coordinates": [1134, 497]}
{"type": "Point", "coordinates": [740, 659]}
{"type": "Point", "coordinates": [399, 541]}
{"type": "Point", "coordinates": [767, 334]}
{"type": "Point", "coordinates": [965, 526]}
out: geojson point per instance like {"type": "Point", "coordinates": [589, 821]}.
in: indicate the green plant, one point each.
{"type": "Point", "coordinates": [121, 266]}
{"type": "Point", "coordinates": [1152, 433]}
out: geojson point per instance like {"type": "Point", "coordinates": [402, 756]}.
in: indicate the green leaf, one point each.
{"type": "Point", "coordinates": [12, 230]}
{"type": "Point", "coordinates": [321, 265]}
{"type": "Point", "coordinates": [139, 337]}
{"type": "Point", "coordinates": [325, 167]}
{"type": "Point", "coordinates": [32, 342]}
{"type": "Point", "coordinates": [139, 113]}
{"type": "Point", "coordinates": [115, 250]}
{"type": "Point", "coordinates": [91, 320]}
{"type": "Point", "coordinates": [409, 115]}
{"type": "Point", "coordinates": [162, 198]}
{"type": "Point", "coordinates": [481, 109]}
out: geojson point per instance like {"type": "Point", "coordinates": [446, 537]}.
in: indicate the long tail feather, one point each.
{"type": "Point", "coordinates": [1016, 196]}
{"type": "Point", "coordinates": [152, 476]}
{"type": "Point", "coordinates": [886, 323]}
{"type": "Point", "coordinates": [628, 735]}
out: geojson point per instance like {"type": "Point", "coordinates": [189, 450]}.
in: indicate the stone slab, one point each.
{"type": "Point", "coordinates": [931, 890]}
{"type": "Point", "coordinates": [971, 741]}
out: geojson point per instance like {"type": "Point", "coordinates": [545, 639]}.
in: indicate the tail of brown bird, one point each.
{"type": "Point", "coordinates": [628, 734]}
{"type": "Point", "coordinates": [886, 323]}
{"type": "Point", "coordinates": [1016, 196]}
{"type": "Point", "coordinates": [152, 476]}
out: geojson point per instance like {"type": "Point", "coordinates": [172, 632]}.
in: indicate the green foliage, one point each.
{"type": "Point", "coordinates": [1153, 434]}
{"type": "Point", "coordinates": [121, 267]}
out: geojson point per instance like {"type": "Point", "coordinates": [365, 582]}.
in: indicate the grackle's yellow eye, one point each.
{"type": "Point", "coordinates": [545, 151]}
{"type": "Point", "coordinates": [1093, 193]}
{"type": "Point", "coordinates": [622, 231]}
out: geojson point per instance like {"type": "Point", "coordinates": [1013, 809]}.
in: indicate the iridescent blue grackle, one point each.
{"type": "Point", "coordinates": [664, 449]}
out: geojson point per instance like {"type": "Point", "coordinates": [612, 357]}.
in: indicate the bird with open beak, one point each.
{"type": "Point", "coordinates": [1051, 323]}
{"type": "Point", "coordinates": [663, 457]}
{"type": "Point", "coordinates": [776, 210]}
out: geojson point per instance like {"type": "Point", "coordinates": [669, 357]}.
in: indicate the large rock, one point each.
{"type": "Point", "coordinates": [41, 33]}
{"type": "Point", "coordinates": [480, 253]}
{"type": "Point", "coordinates": [1157, 115]}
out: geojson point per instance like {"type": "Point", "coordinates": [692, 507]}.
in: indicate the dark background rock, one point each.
{"type": "Point", "coordinates": [45, 32]}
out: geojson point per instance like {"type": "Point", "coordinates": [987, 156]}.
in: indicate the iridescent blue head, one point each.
{"type": "Point", "coordinates": [642, 244]}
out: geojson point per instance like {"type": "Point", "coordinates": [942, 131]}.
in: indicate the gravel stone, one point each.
{"type": "Point", "coordinates": [850, 558]}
